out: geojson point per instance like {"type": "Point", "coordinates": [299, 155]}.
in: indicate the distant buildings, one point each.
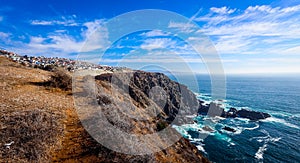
{"type": "Point", "coordinates": [49, 63]}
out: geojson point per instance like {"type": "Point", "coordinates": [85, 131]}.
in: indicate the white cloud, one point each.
{"type": "Point", "coordinates": [222, 10]}
{"type": "Point", "coordinates": [182, 27]}
{"type": "Point", "coordinates": [54, 22]}
{"type": "Point", "coordinates": [5, 37]}
{"type": "Point", "coordinates": [63, 22]}
{"type": "Point", "coordinates": [42, 22]}
{"type": "Point", "coordinates": [232, 45]}
{"type": "Point", "coordinates": [155, 33]}
{"type": "Point", "coordinates": [96, 36]}
{"type": "Point", "coordinates": [158, 43]}
{"type": "Point", "coordinates": [257, 29]}
{"type": "Point", "coordinates": [59, 43]}
{"type": "Point", "coordinates": [60, 31]}
{"type": "Point", "coordinates": [292, 51]}
{"type": "Point", "coordinates": [263, 8]}
{"type": "Point", "coordinates": [253, 22]}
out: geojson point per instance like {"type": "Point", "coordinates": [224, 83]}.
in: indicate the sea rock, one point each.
{"type": "Point", "coordinates": [203, 109]}
{"type": "Point", "coordinates": [214, 109]}
{"type": "Point", "coordinates": [252, 115]}
{"type": "Point", "coordinates": [231, 113]}
{"type": "Point", "coordinates": [207, 128]}
{"type": "Point", "coordinates": [229, 129]}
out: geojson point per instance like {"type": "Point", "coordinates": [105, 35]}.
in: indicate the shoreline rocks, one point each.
{"type": "Point", "coordinates": [214, 109]}
{"type": "Point", "coordinates": [207, 128]}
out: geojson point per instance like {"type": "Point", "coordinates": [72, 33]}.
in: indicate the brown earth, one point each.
{"type": "Point", "coordinates": [42, 125]}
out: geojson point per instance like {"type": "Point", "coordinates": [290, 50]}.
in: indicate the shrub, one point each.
{"type": "Point", "coordinates": [60, 79]}
{"type": "Point", "coordinates": [48, 67]}
{"type": "Point", "coordinates": [161, 124]}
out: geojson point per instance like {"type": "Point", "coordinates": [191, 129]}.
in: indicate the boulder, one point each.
{"type": "Point", "coordinates": [229, 129]}
{"type": "Point", "coordinates": [252, 115]}
{"type": "Point", "coordinates": [207, 128]}
{"type": "Point", "coordinates": [231, 113]}
{"type": "Point", "coordinates": [203, 109]}
{"type": "Point", "coordinates": [213, 109]}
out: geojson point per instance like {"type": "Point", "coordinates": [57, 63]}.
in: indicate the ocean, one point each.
{"type": "Point", "coordinates": [275, 139]}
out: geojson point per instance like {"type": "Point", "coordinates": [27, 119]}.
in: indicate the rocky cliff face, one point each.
{"type": "Point", "coordinates": [145, 103]}
{"type": "Point", "coordinates": [155, 89]}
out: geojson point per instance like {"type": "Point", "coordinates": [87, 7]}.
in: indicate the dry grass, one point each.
{"type": "Point", "coordinates": [30, 134]}
{"type": "Point", "coordinates": [60, 79]}
{"type": "Point", "coordinates": [30, 116]}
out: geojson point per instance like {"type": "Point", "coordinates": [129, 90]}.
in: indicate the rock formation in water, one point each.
{"type": "Point", "coordinates": [229, 129]}
{"type": "Point", "coordinates": [214, 109]}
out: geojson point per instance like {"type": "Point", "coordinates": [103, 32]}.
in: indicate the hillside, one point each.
{"type": "Point", "coordinates": [39, 122]}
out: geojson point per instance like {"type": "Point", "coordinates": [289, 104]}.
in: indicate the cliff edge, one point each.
{"type": "Point", "coordinates": [39, 122]}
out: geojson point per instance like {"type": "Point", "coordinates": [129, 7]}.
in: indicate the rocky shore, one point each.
{"type": "Point", "coordinates": [214, 109]}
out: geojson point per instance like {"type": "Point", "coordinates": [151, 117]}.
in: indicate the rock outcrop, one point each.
{"type": "Point", "coordinates": [229, 129]}
{"type": "Point", "coordinates": [214, 109]}
{"type": "Point", "coordinates": [252, 115]}
{"type": "Point", "coordinates": [147, 103]}
{"type": "Point", "coordinates": [146, 87]}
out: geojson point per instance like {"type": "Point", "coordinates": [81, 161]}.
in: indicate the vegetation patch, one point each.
{"type": "Point", "coordinates": [60, 79]}
{"type": "Point", "coordinates": [27, 135]}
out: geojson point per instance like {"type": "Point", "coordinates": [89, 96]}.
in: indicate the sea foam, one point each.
{"type": "Point", "coordinates": [282, 121]}
{"type": "Point", "coordinates": [259, 154]}
{"type": "Point", "coordinates": [265, 139]}
{"type": "Point", "coordinates": [252, 128]}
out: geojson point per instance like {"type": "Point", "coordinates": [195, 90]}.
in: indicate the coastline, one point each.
{"type": "Point", "coordinates": [75, 135]}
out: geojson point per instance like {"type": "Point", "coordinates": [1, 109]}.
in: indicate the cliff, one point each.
{"type": "Point", "coordinates": [39, 122]}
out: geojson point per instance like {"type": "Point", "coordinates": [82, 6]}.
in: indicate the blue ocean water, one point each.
{"type": "Point", "coordinates": [275, 139]}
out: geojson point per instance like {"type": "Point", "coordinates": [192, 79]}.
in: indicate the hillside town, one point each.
{"type": "Point", "coordinates": [48, 63]}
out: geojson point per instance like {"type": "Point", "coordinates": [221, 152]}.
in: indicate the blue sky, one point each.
{"type": "Point", "coordinates": [249, 36]}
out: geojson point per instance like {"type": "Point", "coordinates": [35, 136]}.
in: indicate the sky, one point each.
{"type": "Point", "coordinates": [247, 36]}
